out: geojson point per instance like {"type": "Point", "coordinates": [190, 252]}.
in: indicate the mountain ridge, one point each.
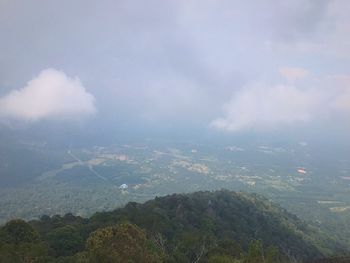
{"type": "Point", "coordinates": [189, 228]}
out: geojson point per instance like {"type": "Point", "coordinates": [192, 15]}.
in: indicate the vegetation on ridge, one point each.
{"type": "Point", "coordinates": [211, 227]}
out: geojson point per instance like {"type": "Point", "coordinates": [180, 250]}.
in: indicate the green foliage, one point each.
{"type": "Point", "coordinates": [192, 246]}
{"type": "Point", "coordinates": [24, 252]}
{"type": "Point", "coordinates": [257, 253]}
{"type": "Point", "coordinates": [18, 231]}
{"type": "Point", "coordinates": [19, 242]}
{"type": "Point", "coordinates": [122, 243]}
{"type": "Point", "coordinates": [208, 227]}
{"type": "Point", "coordinates": [223, 259]}
{"type": "Point", "coordinates": [65, 241]}
{"type": "Point", "coordinates": [226, 247]}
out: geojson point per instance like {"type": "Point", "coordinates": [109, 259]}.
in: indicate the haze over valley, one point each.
{"type": "Point", "coordinates": [241, 104]}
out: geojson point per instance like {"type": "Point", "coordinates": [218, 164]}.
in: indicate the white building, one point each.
{"type": "Point", "coordinates": [123, 186]}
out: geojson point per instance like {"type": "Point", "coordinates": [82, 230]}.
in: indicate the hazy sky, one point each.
{"type": "Point", "coordinates": [232, 66]}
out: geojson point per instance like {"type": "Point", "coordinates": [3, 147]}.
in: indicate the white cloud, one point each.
{"type": "Point", "coordinates": [341, 101]}
{"type": "Point", "coordinates": [293, 74]}
{"type": "Point", "coordinates": [262, 106]}
{"type": "Point", "coordinates": [52, 94]}
{"type": "Point", "coordinates": [337, 41]}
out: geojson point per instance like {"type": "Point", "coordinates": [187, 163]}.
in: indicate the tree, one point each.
{"type": "Point", "coordinates": [121, 243]}
{"type": "Point", "coordinates": [18, 231]}
{"type": "Point", "coordinates": [19, 242]}
{"type": "Point", "coordinates": [226, 250]}
{"type": "Point", "coordinates": [256, 253]}
{"type": "Point", "coordinates": [65, 241]}
{"type": "Point", "coordinates": [223, 259]}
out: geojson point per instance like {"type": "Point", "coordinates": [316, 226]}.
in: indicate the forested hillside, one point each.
{"type": "Point", "coordinates": [219, 226]}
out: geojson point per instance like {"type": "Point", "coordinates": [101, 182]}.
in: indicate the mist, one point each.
{"type": "Point", "coordinates": [177, 65]}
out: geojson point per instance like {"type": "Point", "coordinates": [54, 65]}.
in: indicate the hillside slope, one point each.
{"type": "Point", "coordinates": [197, 227]}
{"type": "Point", "coordinates": [225, 215]}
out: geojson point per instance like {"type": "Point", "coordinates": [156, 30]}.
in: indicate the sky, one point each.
{"type": "Point", "coordinates": [227, 66]}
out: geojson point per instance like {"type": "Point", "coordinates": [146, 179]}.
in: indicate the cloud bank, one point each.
{"type": "Point", "coordinates": [293, 74]}
{"type": "Point", "coordinates": [52, 94]}
{"type": "Point", "coordinates": [176, 63]}
{"type": "Point", "coordinates": [261, 106]}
